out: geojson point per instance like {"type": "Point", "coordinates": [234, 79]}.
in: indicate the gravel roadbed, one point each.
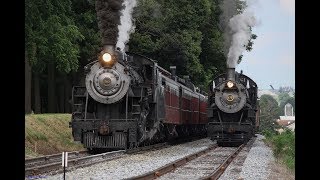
{"type": "Point", "coordinates": [249, 165]}
{"type": "Point", "coordinates": [136, 164]}
{"type": "Point", "coordinates": [252, 165]}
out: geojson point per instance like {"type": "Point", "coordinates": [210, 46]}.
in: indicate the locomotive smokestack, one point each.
{"type": "Point", "coordinates": [231, 74]}
{"type": "Point", "coordinates": [109, 47]}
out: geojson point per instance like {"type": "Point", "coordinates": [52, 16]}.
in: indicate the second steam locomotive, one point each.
{"type": "Point", "coordinates": [128, 100]}
{"type": "Point", "coordinates": [233, 108]}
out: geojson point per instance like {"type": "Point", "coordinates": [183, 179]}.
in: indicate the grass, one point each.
{"type": "Point", "coordinates": [48, 134]}
{"type": "Point", "coordinates": [283, 146]}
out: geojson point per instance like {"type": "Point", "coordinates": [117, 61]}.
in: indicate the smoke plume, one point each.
{"type": "Point", "coordinates": [229, 9]}
{"type": "Point", "coordinates": [126, 26]}
{"type": "Point", "coordinates": [236, 28]}
{"type": "Point", "coordinates": [108, 15]}
{"type": "Point", "coordinates": [241, 34]}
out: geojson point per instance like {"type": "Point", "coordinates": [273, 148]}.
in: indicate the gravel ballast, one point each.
{"type": "Point", "coordinates": [256, 165]}
{"type": "Point", "coordinates": [251, 165]}
{"type": "Point", "coordinates": [137, 164]}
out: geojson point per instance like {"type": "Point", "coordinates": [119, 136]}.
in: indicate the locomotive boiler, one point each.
{"type": "Point", "coordinates": [233, 108]}
{"type": "Point", "coordinates": [128, 100]}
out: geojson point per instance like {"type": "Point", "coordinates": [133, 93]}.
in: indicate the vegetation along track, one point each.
{"type": "Point", "coordinates": [209, 163]}
{"type": "Point", "coordinates": [52, 163]}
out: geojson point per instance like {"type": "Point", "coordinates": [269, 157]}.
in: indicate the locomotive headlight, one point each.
{"type": "Point", "coordinates": [230, 84]}
{"type": "Point", "coordinates": [106, 57]}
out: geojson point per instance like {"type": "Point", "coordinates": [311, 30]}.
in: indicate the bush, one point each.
{"type": "Point", "coordinates": [283, 146]}
{"type": "Point", "coordinates": [268, 134]}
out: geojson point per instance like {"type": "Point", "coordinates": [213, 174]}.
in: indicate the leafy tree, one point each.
{"type": "Point", "coordinates": [85, 19]}
{"type": "Point", "coordinates": [283, 97]}
{"type": "Point", "coordinates": [212, 56]}
{"type": "Point", "coordinates": [51, 34]}
{"type": "Point", "coordinates": [249, 45]}
{"type": "Point", "coordinates": [51, 41]}
{"type": "Point", "coordinates": [285, 89]}
{"type": "Point", "coordinates": [269, 113]}
{"type": "Point", "coordinates": [187, 36]}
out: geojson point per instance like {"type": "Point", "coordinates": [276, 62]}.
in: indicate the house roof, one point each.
{"type": "Point", "coordinates": [285, 122]}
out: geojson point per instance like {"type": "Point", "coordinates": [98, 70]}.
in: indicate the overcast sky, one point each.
{"type": "Point", "coordinates": [272, 59]}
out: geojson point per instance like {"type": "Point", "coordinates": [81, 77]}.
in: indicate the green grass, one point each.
{"type": "Point", "coordinates": [48, 134]}
{"type": "Point", "coordinates": [283, 146]}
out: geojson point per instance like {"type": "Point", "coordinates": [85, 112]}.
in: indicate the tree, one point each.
{"type": "Point", "coordinates": [248, 46]}
{"type": "Point", "coordinates": [283, 97]}
{"type": "Point", "coordinates": [212, 56]}
{"type": "Point", "coordinates": [51, 40]}
{"type": "Point", "coordinates": [269, 113]}
{"type": "Point", "coordinates": [186, 36]}
{"type": "Point", "coordinates": [86, 20]}
{"type": "Point", "coordinates": [27, 95]}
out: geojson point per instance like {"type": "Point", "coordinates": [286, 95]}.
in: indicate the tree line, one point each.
{"type": "Point", "coordinates": [61, 36]}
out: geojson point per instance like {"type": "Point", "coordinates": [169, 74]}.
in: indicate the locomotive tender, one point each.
{"type": "Point", "coordinates": [233, 108]}
{"type": "Point", "coordinates": [128, 100]}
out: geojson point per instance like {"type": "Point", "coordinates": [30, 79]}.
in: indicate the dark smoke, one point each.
{"type": "Point", "coordinates": [108, 15]}
{"type": "Point", "coordinates": [229, 9]}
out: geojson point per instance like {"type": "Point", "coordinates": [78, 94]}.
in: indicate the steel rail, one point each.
{"type": "Point", "coordinates": [172, 166]}
{"type": "Point", "coordinates": [219, 171]}
{"type": "Point", "coordinates": [35, 166]}
{"type": "Point", "coordinates": [40, 169]}
{"type": "Point", "coordinates": [51, 157]}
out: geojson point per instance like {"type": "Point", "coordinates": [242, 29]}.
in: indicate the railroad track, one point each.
{"type": "Point", "coordinates": [52, 158]}
{"type": "Point", "coordinates": [209, 163]}
{"type": "Point", "coordinates": [52, 163]}
{"type": "Point", "coordinates": [74, 162]}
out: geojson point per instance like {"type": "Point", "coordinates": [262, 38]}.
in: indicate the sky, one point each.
{"type": "Point", "coordinates": [272, 59]}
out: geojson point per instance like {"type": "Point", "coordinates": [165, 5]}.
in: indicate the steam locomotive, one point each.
{"type": "Point", "coordinates": [128, 100]}
{"type": "Point", "coordinates": [233, 108]}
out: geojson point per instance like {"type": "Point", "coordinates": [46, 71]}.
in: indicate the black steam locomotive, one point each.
{"type": "Point", "coordinates": [129, 101]}
{"type": "Point", "coordinates": [233, 108]}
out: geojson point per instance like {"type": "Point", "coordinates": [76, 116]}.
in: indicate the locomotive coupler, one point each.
{"type": "Point", "coordinates": [104, 129]}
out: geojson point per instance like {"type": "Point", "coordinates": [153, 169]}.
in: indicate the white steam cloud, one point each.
{"type": "Point", "coordinates": [240, 27]}
{"type": "Point", "coordinates": [126, 27]}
